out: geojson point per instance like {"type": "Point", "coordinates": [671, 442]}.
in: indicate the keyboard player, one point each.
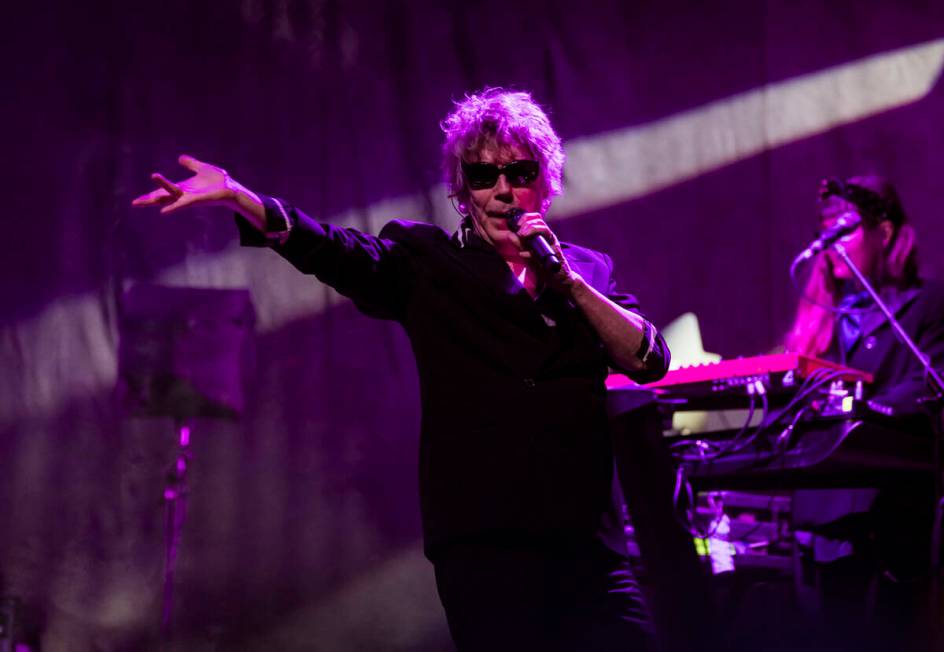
{"type": "Point", "coordinates": [866, 551]}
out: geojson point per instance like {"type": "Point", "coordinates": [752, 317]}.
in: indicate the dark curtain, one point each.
{"type": "Point", "coordinates": [697, 133]}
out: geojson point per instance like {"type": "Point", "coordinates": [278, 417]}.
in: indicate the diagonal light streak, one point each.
{"type": "Point", "coordinates": [610, 168]}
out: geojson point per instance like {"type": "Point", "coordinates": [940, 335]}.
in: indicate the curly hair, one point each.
{"type": "Point", "coordinates": [497, 116]}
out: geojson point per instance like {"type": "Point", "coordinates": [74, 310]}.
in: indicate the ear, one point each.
{"type": "Point", "coordinates": [462, 202]}
{"type": "Point", "coordinates": [897, 256]}
{"type": "Point", "coordinates": [887, 230]}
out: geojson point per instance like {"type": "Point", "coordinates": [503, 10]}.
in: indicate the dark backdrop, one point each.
{"type": "Point", "coordinates": [697, 134]}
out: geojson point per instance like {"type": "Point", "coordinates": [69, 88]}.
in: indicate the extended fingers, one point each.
{"type": "Point", "coordinates": [180, 202]}
{"type": "Point", "coordinates": [159, 196]}
{"type": "Point", "coordinates": [197, 167]}
{"type": "Point", "coordinates": [172, 188]}
{"type": "Point", "coordinates": [190, 162]}
{"type": "Point", "coordinates": [166, 193]}
{"type": "Point", "coordinates": [170, 195]}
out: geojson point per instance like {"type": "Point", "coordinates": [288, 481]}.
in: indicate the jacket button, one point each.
{"type": "Point", "coordinates": [870, 342]}
{"type": "Point", "coordinates": [529, 382]}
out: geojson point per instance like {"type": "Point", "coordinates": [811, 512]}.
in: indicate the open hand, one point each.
{"type": "Point", "coordinates": [210, 185]}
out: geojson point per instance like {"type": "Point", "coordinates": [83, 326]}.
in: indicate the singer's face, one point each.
{"type": "Point", "coordinates": [864, 245]}
{"type": "Point", "coordinates": [489, 206]}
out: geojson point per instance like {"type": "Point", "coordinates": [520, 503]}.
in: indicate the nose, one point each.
{"type": "Point", "coordinates": [503, 188]}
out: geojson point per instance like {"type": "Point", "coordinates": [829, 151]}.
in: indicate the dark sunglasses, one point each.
{"type": "Point", "coordinates": [480, 176]}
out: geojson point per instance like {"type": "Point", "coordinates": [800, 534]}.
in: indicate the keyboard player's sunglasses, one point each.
{"type": "Point", "coordinates": [480, 176]}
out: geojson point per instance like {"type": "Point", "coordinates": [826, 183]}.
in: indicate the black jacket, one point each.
{"type": "Point", "coordinates": [514, 438]}
{"type": "Point", "coordinates": [890, 526]}
{"type": "Point", "coordinates": [899, 380]}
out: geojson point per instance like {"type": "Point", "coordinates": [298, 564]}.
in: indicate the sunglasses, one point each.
{"type": "Point", "coordinates": [480, 176]}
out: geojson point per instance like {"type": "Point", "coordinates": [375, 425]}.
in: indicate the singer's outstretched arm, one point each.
{"type": "Point", "coordinates": [210, 185]}
{"type": "Point", "coordinates": [368, 269]}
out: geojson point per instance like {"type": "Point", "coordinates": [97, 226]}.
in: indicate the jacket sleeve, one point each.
{"type": "Point", "coordinates": [905, 396]}
{"type": "Point", "coordinates": [654, 353]}
{"type": "Point", "coordinates": [374, 272]}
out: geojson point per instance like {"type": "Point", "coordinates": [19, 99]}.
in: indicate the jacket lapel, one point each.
{"type": "Point", "coordinates": [897, 301]}
{"type": "Point", "coordinates": [482, 262]}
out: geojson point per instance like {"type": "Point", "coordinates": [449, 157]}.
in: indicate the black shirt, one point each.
{"type": "Point", "coordinates": [514, 438]}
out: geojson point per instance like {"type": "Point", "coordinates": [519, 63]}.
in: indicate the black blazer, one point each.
{"type": "Point", "coordinates": [899, 379]}
{"type": "Point", "coordinates": [892, 525]}
{"type": "Point", "coordinates": [514, 438]}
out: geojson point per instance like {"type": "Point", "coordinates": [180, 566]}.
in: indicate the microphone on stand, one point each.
{"type": "Point", "coordinates": [537, 245]}
{"type": "Point", "coordinates": [846, 224]}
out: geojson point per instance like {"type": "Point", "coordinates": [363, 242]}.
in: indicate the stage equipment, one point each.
{"type": "Point", "coordinates": [860, 448]}
{"type": "Point", "coordinates": [794, 421]}
{"type": "Point", "coordinates": [184, 354]}
{"type": "Point", "coordinates": [935, 408]}
{"type": "Point", "coordinates": [732, 381]}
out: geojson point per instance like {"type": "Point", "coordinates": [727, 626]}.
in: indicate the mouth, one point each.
{"type": "Point", "coordinates": [499, 220]}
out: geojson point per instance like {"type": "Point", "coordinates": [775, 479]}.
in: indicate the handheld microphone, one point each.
{"type": "Point", "coordinates": [846, 224]}
{"type": "Point", "coordinates": [537, 245]}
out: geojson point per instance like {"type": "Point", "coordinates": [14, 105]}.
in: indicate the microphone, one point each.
{"type": "Point", "coordinates": [846, 224]}
{"type": "Point", "coordinates": [537, 245]}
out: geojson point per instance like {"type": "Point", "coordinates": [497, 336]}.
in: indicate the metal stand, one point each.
{"type": "Point", "coordinates": [934, 406]}
{"type": "Point", "coordinates": [175, 511]}
{"type": "Point", "coordinates": [183, 354]}
{"type": "Point", "coordinates": [933, 377]}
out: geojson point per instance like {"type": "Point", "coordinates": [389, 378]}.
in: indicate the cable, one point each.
{"type": "Point", "coordinates": [783, 439]}
{"type": "Point", "coordinates": [707, 451]}
{"type": "Point", "coordinates": [701, 445]}
{"type": "Point", "coordinates": [686, 516]}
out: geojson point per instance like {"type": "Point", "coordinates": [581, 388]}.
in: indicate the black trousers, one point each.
{"type": "Point", "coordinates": [547, 597]}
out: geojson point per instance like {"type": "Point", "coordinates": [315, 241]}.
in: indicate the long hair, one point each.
{"type": "Point", "coordinates": [497, 116]}
{"type": "Point", "coordinates": [877, 201]}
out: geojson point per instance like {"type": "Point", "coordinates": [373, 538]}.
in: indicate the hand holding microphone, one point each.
{"type": "Point", "coordinates": [536, 244]}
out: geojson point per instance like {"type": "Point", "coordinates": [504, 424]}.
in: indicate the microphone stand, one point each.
{"type": "Point", "coordinates": [175, 512]}
{"type": "Point", "coordinates": [934, 406]}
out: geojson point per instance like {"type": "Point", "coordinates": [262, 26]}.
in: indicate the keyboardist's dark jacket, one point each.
{"type": "Point", "coordinates": [899, 379]}
{"type": "Point", "coordinates": [891, 525]}
{"type": "Point", "coordinates": [514, 436]}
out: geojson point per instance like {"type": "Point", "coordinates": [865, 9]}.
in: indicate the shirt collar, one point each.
{"type": "Point", "coordinates": [466, 237]}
